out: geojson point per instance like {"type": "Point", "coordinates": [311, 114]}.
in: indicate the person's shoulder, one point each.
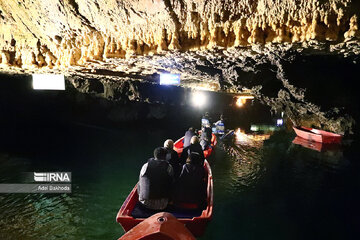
{"type": "Point", "coordinates": [143, 169]}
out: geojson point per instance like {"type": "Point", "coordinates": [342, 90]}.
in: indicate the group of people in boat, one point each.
{"type": "Point", "coordinates": [181, 181]}
{"type": "Point", "coordinates": [169, 178]}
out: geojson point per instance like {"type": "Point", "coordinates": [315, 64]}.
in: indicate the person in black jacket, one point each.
{"type": "Point", "coordinates": [194, 147]}
{"type": "Point", "coordinates": [156, 181]}
{"type": "Point", "coordinates": [206, 135]}
{"type": "Point", "coordinates": [188, 135]}
{"type": "Point", "coordinates": [190, 191]}
{"type": "Point", "coordinates": [172, 157]}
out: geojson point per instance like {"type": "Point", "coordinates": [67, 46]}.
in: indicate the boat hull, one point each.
{"type": "Point", "coordinates": [316, 135]}
{"type": "Point", "coordinates": [160, 226]}
{"type": "Point", "coordinates": [196, 225]}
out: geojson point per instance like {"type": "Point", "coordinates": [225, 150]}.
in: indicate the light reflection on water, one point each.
{"type": "Point", "coordinates": [245, 154]}
{"type": "Point", "coordinates": [39, 216]}
{"type": "Point", "coordinates": [268, 187]}
{"type": "Point", "coordinates": [257, 180]}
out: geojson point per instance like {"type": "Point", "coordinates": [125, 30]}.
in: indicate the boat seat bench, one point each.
{"type": "Point", "coordinates": [140, 211]}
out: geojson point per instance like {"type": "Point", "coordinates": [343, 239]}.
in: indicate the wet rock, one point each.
{"type": "Point", "coordinates": [65, 33]}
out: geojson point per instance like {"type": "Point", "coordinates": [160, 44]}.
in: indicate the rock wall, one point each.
{"type": "Point", "coordinates": [72, 32]}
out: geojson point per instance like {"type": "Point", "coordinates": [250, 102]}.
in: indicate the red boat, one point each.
{"type": "Point", "coordinates": [194, 220]}
{"type": "Point", "coordinates": [179, 146]}
{"type": "Point", "coordinates": [317, 146]}
{"type": "Point", "coordinates": [316, 135]}
{"type": "Point", "coordinates": [160, 226]}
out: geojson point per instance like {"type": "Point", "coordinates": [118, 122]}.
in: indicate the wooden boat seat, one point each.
{"type": "Point", "coordinates": [140, 211]}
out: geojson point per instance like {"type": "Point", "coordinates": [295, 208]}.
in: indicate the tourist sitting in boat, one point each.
{"type": "Point", "coordinates": [220, 126]}
{"type": "Point", "coordinates": [194, 147]}
{"type": "Point", "coordinates": [190, 191]}
{"type": "Point", "coordinates": [172, 157]}
{"type": "Point", "coordinates": [188, 135]}
{"type": "Point", "coordinates": [205, 120]}
{"type": "Point", "coordinates": [206, 135]}
{"type": "Point", "coordinates": [155, 181]}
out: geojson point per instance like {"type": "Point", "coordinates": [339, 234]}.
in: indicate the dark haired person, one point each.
{"type": "Point", "coordinates": [194, 147]}
{"type": "Point", "coordinates": [191, 186]}
{"type": "Point", "coordinates": [172, 157]}
{"type": "Point", "coordinates": [188, 135]}
{"type": "Point", "coordinates": [155, 181]}
{"type": "Point", "coordinates": [205, 120]}
{"type": "Point", "coordinates": [220, 126]}
{"type": "Point", "coordinates": [206, 135]}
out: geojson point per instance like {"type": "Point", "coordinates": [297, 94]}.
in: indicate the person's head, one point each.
{"type": "Point", "coordinates": [191, 129]}
{"type": "Point", "coordinates": [194, 158]}
{"type": "Point", "coordinates": [160, 153]}
{"type": "Point", "coordinates": [169, 144]}
{"type": "Point", "coordinates": [206, 114]}
{"type": "Point", "coordinates": [221, 117]}
{"type": "Point", "coordinates": [194, 140]}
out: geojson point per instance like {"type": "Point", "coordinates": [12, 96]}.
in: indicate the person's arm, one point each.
{"type": "Point", "coordinates": [142, 172]}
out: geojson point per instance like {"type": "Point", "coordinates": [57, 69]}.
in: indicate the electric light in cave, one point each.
{"type": "Point", "coordinates": [241, 100]}
{"type": "Point", "coordinates": [48, 81]}
{"type": "Point", "coordinates": [169, 79]}
{"type": "Point", "coordinates": [198, 99]}
{"type": "Point", "coordinates": [279, 122]}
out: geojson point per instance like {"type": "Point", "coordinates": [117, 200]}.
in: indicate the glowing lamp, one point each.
{"type": "Point", "coordinates": [169, 79]}
{"type": "Point", "coordinates": [241, 100]}
{"type": "Point", "coordinates": [279, 122]}
{"type": "Point", "coordinates": [198, 99]}
{"type": "Point", "coordinates": [48, 81]}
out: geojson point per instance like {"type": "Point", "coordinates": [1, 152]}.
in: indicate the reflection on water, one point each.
{"type": "Point", "coordinates": [264, 185]}
{"type": "Point", "coordinates": [245, 155]}
{"type": "Point", "coordinates": [330, 156]}
{"type": "Point", "coordinates": [35, 216]}
{"type": "Point", "coordinates": [39, 217]}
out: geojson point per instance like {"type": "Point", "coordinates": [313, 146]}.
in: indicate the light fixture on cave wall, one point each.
{"type": "Point", "coordinates": [241, 100]}
{"type": "Point", "coordinates": [169, 79]}
{"type": "Point", "coordinates": [48, 82]}
{"type": "Point", "coordinates": [199, 98]}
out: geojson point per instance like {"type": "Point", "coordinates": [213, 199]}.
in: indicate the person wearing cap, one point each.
{"type": "Point", "coordinates": [190, 191]}
{"type": "Point", "coordinates": [172, 157]}
{"type": "Point", "coordinates": [156, 181]}
{"type": "Point", "coordinates": [194, 147]}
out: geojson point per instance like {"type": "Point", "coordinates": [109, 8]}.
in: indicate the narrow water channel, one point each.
{"type": "Point", "coordinates": [266, 187]}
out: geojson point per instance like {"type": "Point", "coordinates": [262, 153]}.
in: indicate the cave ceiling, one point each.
{"type": "Point", "coordinates": [217, 45]}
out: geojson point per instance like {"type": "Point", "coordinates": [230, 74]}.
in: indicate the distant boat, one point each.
{"type": "Point", "coordinates": [179, 146]}
{"type": "Point", "coordinates": [316, 135]}
{"type": "Point", "coordinates": [317, 146]}
{"type": "Point", "coordinates": [159, 226]}
{"type": "Point", "coordinates": [194, 219]}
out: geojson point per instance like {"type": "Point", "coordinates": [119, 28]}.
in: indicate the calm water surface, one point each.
{"type": "Point", "coordinates": [270, 189]}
